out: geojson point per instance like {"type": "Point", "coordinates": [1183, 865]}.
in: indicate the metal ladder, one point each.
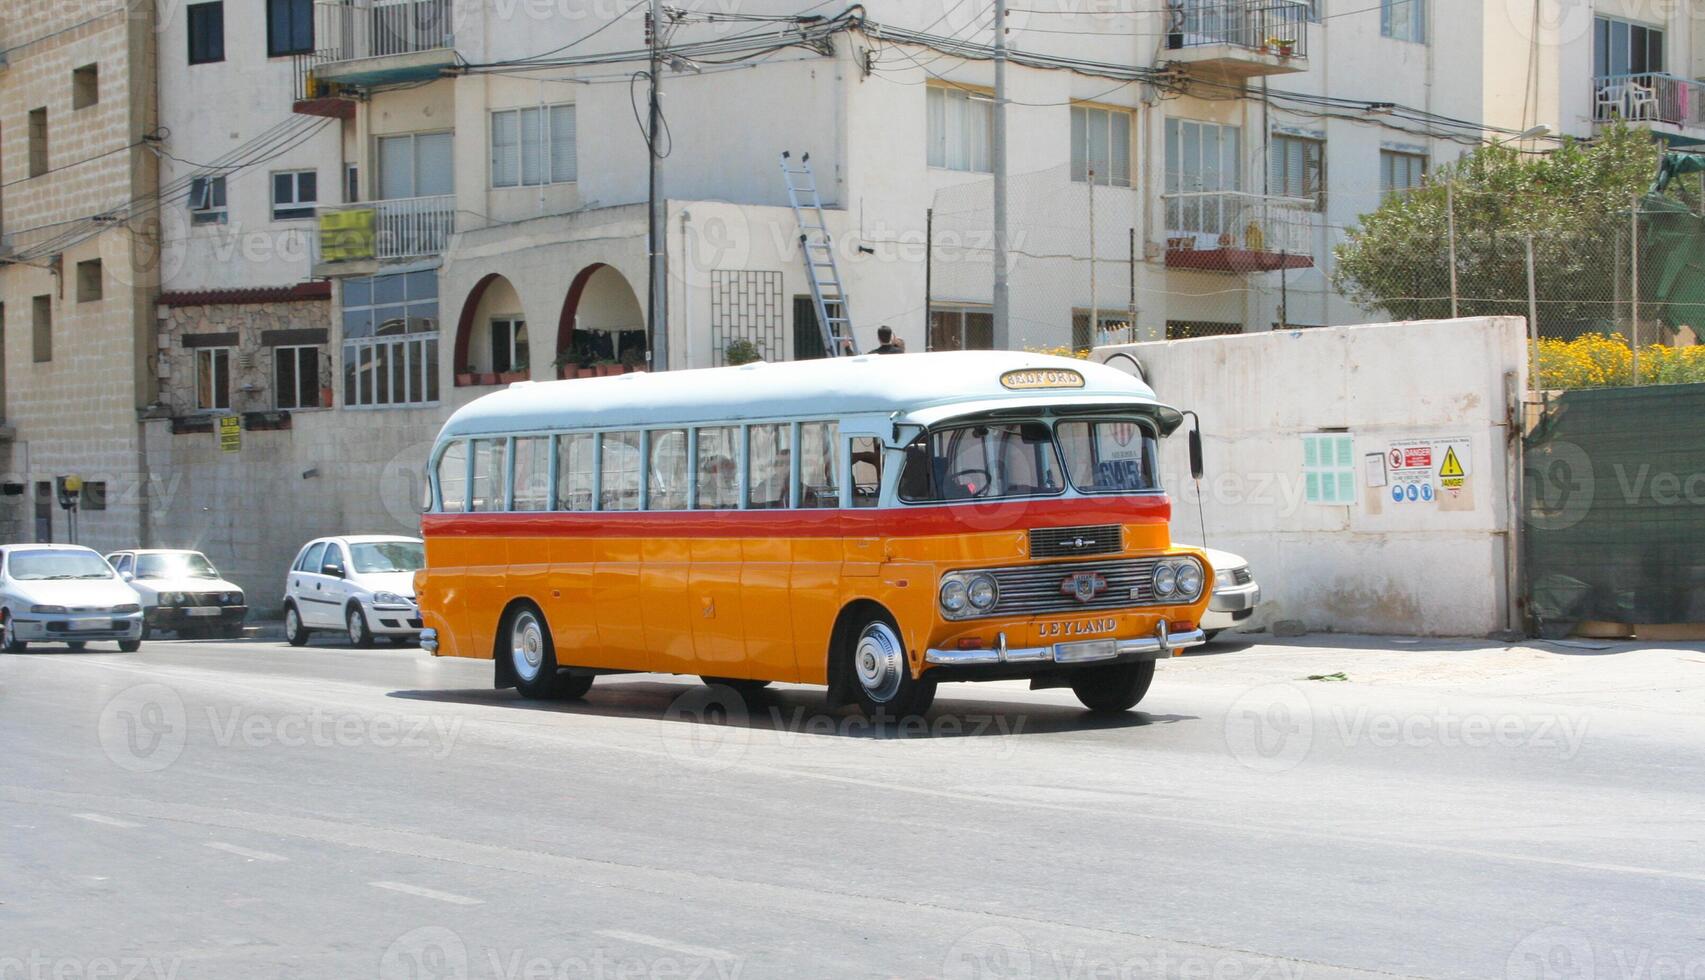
{"type": "Point", "coordinates": [819, 252]}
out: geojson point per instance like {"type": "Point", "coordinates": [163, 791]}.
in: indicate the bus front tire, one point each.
{"type": "Point", "coordinates": [881, 680]}
{"type": "Point", "coordinates": [532, 659]}
{"type": "Point", "coordinates": [1115, 687]}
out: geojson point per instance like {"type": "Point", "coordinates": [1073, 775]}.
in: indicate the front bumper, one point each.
{"type": "Point", "coordinates": [77, 628]}
{"type": "Point", "coordinates": [192, 617]}
{"type": "Point", "coordinates": [393, 620]}
{"type": "Point", "coordinates": [1161, 644]}
{"type": "Point", "coordinates": [1231, 606]}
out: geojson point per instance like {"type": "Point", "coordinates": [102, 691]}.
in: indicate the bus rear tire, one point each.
{"type": "Point", "coordinates": [881, 680]}
{"type": "Point", "coordinates": [745, 687]}
{"type": "Point", "coordinates": [532, 658]}
{"type": "Point", "coordinates": [1115, 687]}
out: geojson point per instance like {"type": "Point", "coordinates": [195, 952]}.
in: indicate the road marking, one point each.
{"type": "Point", "coordinates": [416, 890]}
{"type": "Point", "coordinates": [245, 852]}
{"type": "Point", "coordinates": [109, 821]}
{"type": "Point", "coordinates": [702, 952]}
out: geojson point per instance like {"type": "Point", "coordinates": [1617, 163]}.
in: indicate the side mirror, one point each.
{"type": "Point", "coordinates": [335, 571]}
{"type": "Point", "coordinates": [127, 576]}
{"type": "Point", "coordinates": [1196, 467]}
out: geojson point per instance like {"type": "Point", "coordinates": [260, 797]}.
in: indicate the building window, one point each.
{"type": "Point", "coordinates": [289, 27]}
{"type": "Point", "coordinates": [212, 378]}
{"type": "Point", "coordinates": [1297, 168]}
{"type": "Point", "coordinates": [1400, 173]}
{"type": "Point", "coordinates": [961, 328]}
{"type": "Point", "coordinates": [294, 194]}
{"type": "Point", "coordinates": [89, 281]}
{"type": "Point", "coordinates": [390, 340]}
{"type": "Point", "coordinates": [533, 146]}
{"type": "Point", "coordinates": [1112, 327]}
{"type": "Point", "coordinates": [41, 321]}
{"type": "Point", "coordinates": [296, 376]}
{"type": "Point", "coordinates": [509, 345]}
{"type": "Point", "coordinates": [207, 201]}
{"type": "Point", "coordinates": [1621, 48]}
{"type": "Point", "coordinates": [1202, 163]}
{"type": "Point", "coordinates": [1404, 20]}
{"type": "Point", "coordinates": [1101, 142]}
{"type": "Point", "coordinates": [38, 141]}
{"type": "Point", "coordinates": [416, 165]}
{"type": "Point", "coordinates": [1328, 468]}
{"type": "Point", "coordinates": [85, 86]}
{"type": "Point", "coordinates": [351, 185]}
{"type": "Point", "coordinates": [206, 32]}
{"type": "Point", "coordinates": [93, 495]}
{"type": "Point", "coordinates": [960, 129]}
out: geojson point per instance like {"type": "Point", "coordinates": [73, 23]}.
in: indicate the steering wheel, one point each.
{"type": "Point", "coordinates": [958, 479]}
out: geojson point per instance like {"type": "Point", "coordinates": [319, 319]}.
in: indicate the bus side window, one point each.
{"type": "Point", "coordinates": [668, 470]}
{"type": "Point", "coordinates": [769, 466]}
{"type": "Point", "coordinates": [532, 472]}
{"type": "Point", "coordinates": [866, 471]}
{"type": "Point", "coordinates": [719, 468]}
{"type": "Point", "coordinates": [489, 473]}
{"type": "Point", "coordinates": [618, 488]}
{"type": "Point", "coordinates": [453, 478]}
{"type": "Point", "coordinates": [819, 479]}
{"type": "Point", "coordinates": [574, 472]}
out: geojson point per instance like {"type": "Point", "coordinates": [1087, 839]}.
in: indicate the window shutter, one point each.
{"type": "Point", "coordinates": [563, 163]}
{"type": "Point", "coordinates": [505, 149]}
{"type": "Point", "coordinates": [532, 148]}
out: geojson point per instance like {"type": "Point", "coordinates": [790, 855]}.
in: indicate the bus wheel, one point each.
{"type": "Point", "coordinates": [532, 657]}
{"type": "Point", "coordinates": [744, 687]}
{"type": "Point", "coordinates": [882, 681]}
{"type": "Point", "coordinates": [1115, 687]}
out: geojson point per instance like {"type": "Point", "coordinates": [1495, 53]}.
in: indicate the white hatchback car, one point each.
{"type": "Point", "coordinates": [1236, 593]}
{"type": "Point", "coordinates": [360, 585]}
{"type": "Point", "coordinates": [64, 593]}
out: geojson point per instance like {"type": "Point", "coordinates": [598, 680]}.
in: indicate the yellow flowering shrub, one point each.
{"type": "Point", "coordinates": [1061, 351]}
{"type": "Point", "coordinates": [1604, 361]}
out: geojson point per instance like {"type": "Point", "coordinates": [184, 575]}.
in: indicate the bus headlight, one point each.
{"type": "Point", "coordinates": [983, 592]}
{"type": "Point", "coordinates": [1189, 579]}
{"type": "Point", "coordinates": [953, 596]}
{"type": "Point", "coordinates": [1165, 580]}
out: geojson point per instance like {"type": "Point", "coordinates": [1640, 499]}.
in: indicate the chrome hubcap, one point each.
{"type": "Point", "coordinates": [354, 626]}
{"type": "Point", "coordinates": [291, 623]}
{"type": "Point", "coordinates": [527, 646]}
{"type": "Point", "coordinates": [880, 662]}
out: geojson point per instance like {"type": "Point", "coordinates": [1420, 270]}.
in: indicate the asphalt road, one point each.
{"type": "Point", "coordinates": [246, 809]}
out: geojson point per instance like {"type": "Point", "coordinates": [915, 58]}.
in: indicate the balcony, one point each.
{"type": "Point", "coordinates": [1239, 39]}
{"type": "Point", "coordinates": [360, 236]}
{"type": "Point", "coordinates": [1650, 97]}
{"type": "Point", "coordinates": [377, 42]}
{"type": "Point", "coordinates": [1230, 231]}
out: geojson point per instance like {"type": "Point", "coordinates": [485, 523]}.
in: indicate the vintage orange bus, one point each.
{"type": "Point", "coordinates": [873, 524]}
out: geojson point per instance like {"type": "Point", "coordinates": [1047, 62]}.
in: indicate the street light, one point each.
{"type": "Point", "coordinates": [1531, 133]}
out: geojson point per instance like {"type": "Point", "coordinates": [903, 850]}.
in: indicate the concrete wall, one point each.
{"type": "Point", "coordinates": [1435, 566]}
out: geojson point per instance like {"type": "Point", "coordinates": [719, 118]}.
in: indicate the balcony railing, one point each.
{"type": "Point", "coordinates": [388, 230]}
{"type": "Point", "coordinates": [378, 28]}
{"type": "Point", "coordinates": [1649, 97]}
{"type": "Point", "coordinates": [1258, 227]}
{"type": "Point", "coordinates": [1276, 27]}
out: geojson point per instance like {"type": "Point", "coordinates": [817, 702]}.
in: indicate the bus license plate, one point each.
{"type": "Point", "coordinates": [204, 611]}
{"type": "Point", "coordinates": [1074, 653]}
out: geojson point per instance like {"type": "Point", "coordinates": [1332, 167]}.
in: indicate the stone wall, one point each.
{"type": "Point", "coordinates": [253, 325]}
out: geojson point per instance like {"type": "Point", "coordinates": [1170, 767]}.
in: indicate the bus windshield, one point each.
{"type": "Point", "coordinates": [982, 462]}
{"type": "Point", "coordinates": [1111, 456]}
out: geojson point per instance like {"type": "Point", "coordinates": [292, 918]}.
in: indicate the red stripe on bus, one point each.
{"type": "Point", "coordinates": [898, 522]}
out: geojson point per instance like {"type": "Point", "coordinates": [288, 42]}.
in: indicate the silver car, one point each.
{"type": "Point", "coordinates": [63, 593]}
{"type": "Point", "coordinates": [1236, 593]}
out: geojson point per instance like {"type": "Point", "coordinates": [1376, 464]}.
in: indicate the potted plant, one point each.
{"type": "Point", "coordinates": [741, 351]}
{"type": "Point", "coordinates": [510, 377]}
{"type": "Point", "coordinates": [327, 396]}
{"type": "Point", "coordinates": [633, 360]}
{"type": "Point", "coordinates": [465, 376]}
{"type": "Point", "coordinates": [1284, 47]}
{"type": "Point", "coordinates": [606, 367]}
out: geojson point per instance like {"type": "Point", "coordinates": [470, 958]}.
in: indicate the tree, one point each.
{"type": "Point", "coordinates": [1574, 201]}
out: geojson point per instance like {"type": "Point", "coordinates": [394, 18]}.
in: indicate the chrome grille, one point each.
{"type": "Point", "coordinates": [1029, 589]}
{"type": "Point", "coordinates": [1070, 542]}
{"type": "Point", "coordinates": [1240, 576]}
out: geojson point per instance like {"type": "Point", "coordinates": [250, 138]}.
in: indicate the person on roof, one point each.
{"type": "Point", "coordinates": [886, 343]}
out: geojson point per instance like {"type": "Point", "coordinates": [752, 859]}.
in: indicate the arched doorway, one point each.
{"type": "Point", "coordinates": [492, 344]}
{"type": "Point", "coordinates": [602, 322]}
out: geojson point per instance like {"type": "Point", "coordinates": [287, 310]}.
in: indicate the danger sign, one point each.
{"type": "Point", "coordinates": [1452, 463]}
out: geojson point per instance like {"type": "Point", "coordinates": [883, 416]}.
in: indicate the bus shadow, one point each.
{"type": "Point", "coordinates": [804, 711]}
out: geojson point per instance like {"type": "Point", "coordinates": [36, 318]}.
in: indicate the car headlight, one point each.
{"type": "Point", "coordinates": [983, 592]}
{"type": "Point", "coordinates": [233, 598]}
{"type": "Point", "coordinates": [49, 610]}
{"type": "Point", "coordinates": [1165, 580]}
{"type": "Point", "coordinates": [391, 599]}
{"type": "Point", "coordinates": [1226, 578]}
{"type": "Point", "coordinates": [171, 598]}
{"type": "Point", "coordinates": [129, 607]}
{"type": "Point", "coordinates": [1189, 580]}
{"type": "Point", "coordinates": [953, 595]}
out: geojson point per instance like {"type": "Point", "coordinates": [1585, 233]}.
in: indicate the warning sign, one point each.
{"type": "Point", "coordinates": [1451, 465]}
{"type": "Point", "coordinates": [230, 434]}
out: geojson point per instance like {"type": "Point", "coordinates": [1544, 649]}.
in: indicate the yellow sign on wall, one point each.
{"type": "Point", "coordinates": [230, 434]}
{"type": "Point", "coordinates": [346, 235]}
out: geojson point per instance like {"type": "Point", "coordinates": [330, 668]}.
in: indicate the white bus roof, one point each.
{"type": "Point", "coordinates": [921, 389]}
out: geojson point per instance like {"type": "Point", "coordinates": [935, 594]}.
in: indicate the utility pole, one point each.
{"type": "Point", "coordinates": [1450, 235]}
{"type": "Point", "coordinates": [657, 291]}
{"type": "Point", "coordinates": [1094, 306]}
{"type": "Point", "coordinates": [1003, 324]}
{"type": "Point", "coordinates": [1634, 285]}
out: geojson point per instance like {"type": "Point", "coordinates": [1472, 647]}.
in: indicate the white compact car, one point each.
{"type": "Point", "coordinates": [63, 593]}
{"type": "Point", "coordinates": [1236, 593]}
{"type": "Point", "coordinates": [359, 585]}
{"type": "Point", "coordinates": [181, 591]}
